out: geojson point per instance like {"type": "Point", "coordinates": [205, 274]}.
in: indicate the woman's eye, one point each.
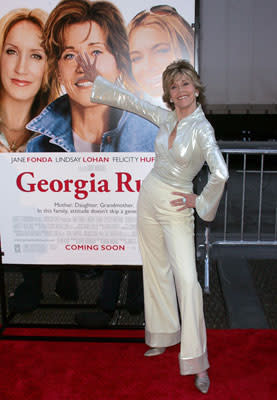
{"type": "Point", "coordinates": [162, 50]}
{"type": "Point", "coordinates": [37, 56]}
{"type": "Point", "coordinates": [68, 56]}
{"type": "Point", "coordinates": [96, 52]}
{"type": "Point", "coordinates": [136, 59]}
{"type": "Point", "coordinates": [10, 51]}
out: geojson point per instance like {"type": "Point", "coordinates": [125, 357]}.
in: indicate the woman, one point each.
{"type": "Point", "coordinates": [156, 38]}
{"type": "Point", "coordinates": [24, 86]}
{"type": "Point", "coordinates": [165, 211]}
{"type": "Point", "coordinates": [72, 123]}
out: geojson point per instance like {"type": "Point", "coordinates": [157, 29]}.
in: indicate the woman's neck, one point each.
{"type": "Point", "coordinates": [91, 122]}
{"type": "Point", "coordinates": [185, 112]}
{"type": "Point", "coordinates": [14, 116]}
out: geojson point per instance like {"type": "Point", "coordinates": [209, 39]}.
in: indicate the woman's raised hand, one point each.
{"type": "Point", "coordinates": [89, 68]}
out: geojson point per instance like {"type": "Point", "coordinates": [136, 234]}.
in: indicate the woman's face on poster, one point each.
{"type": "Point", "coordinates": [82, 38]}
{"type": "Point", "coordinates": [23, 62]}
{"type": "Point", "coordinates": [151, 50]}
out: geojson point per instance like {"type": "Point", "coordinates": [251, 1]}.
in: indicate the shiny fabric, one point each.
{"type": "Point", "coordinates": [166, 236]}
{"type": "Point", "coordinates": [194, 144]}
{"type": "Point", "coordinates": [166, 241]}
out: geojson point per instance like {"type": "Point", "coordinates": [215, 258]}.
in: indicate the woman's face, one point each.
{"type": "Point", "coordinates": [150, 51]}
{"type": "Point", "coordinates": [22, 62]}
{"type": "Point", "coordinates": [183, 94]}
{"type": "Point", "coordinates": [80, 38]}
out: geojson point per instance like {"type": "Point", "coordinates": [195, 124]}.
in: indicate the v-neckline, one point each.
{"type": "Point", "coordinates": [174, 129]}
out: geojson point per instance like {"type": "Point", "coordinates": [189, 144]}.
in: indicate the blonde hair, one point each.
{"type": "Point", "coordinates": [37, 17]}
{"type": "Point", "coordinates": [171, 72]}
{"type": "Point", "coordinates": [169, 20]}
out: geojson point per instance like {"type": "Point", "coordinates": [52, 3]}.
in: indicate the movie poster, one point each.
{"type": "Point", "coordinates": [73, 174]}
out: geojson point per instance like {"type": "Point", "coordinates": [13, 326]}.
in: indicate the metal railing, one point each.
{"type": "Point", "coordinates": [247, 215]}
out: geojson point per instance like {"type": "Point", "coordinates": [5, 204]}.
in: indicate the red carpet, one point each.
{"type": "Point", "coordinates": [243, 366]}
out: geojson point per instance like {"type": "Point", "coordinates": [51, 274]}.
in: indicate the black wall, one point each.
{"type": "Point", "coordinates": [259, 127]}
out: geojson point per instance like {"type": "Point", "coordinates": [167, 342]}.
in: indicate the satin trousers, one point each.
{"type": "Point", "coordinates": [173, 297]}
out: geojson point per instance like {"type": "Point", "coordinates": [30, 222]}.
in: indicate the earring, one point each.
{"type": "Point", "coordinates": [170, 101]}
{"type": "Point", "coordinates": [196, 94]}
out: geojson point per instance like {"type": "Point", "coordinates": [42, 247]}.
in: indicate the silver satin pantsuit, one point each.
{"type": "Point", "coordinates": [172, 294]}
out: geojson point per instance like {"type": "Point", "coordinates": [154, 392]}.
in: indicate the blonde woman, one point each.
{"type": "Point", "coordinates": [172, 294]}
{"type": "Point", "coordinates": [156, 38]}
{"type": "Point", "coordinates": [24, 84]}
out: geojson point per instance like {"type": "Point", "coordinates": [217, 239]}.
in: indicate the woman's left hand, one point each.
{"type": "Point", "coordinates": [185, 200]}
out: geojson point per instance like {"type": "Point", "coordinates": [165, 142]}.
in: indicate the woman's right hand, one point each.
{"type": "Point", "coordinates": [186, 200]}
{"type": "Point", "coordinates": [89, 68]}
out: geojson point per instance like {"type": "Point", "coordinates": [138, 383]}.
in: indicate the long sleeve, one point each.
{"type": "Point", "coordinates": [104, 92]}
{"type": "Point", "coordinates": [207, 202]}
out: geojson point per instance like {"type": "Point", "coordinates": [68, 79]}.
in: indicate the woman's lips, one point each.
{"type": "Point", "coordinates": [20, 82]}
{"type": "Point", "coordinates": [83, 83]}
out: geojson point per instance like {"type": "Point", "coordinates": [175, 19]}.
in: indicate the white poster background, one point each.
{"type": "Point", "coordinates": [44, 220]}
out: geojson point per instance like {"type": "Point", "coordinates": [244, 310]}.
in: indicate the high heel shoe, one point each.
{"type": "Point", "coordinates": [154, 351]}
{"type": "Point", "coordinates": [202, 383]}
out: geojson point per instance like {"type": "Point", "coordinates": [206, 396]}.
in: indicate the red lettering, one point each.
{"type": "Point", "coordinates": [41, 183]}
{"type": "Point", "coordinates": [80, 187]}
{"type": "Point", "coordinates": [30, 187]}
{"type": "Point", "coordinates": [123, 183]}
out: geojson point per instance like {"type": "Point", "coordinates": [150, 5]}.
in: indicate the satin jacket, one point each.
{"type": "Point", "coordinates": [132, 133]}
{"type": "Point", "coordinates": [194, 144]}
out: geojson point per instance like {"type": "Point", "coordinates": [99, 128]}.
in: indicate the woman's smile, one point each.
{"type": "Point", "coordinates": [183, 95]}
{"type": "Point", "coordinates": [80, 38]}
{"type": "Point", "coordinates": [20, 82]}
{"type": "Point", "coordinates": [83, 83]}
{"type": "Point", "coordinates": [22, 62]}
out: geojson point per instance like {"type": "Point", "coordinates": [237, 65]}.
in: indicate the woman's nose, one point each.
{"type": "Point", "coordinates": [22, 64]}
{"type": "Point", "coordinates": [79, 69]}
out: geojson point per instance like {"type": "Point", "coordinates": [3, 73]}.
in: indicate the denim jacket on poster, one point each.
{"type": "Point", "coordinates": [132, 133]}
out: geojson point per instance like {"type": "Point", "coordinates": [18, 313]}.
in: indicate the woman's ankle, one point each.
{"type": "Point", "coordinates": [202, 374]}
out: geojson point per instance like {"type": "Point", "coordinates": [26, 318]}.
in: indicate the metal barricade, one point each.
{"type": "Point", "coordinates": [247, 215]}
